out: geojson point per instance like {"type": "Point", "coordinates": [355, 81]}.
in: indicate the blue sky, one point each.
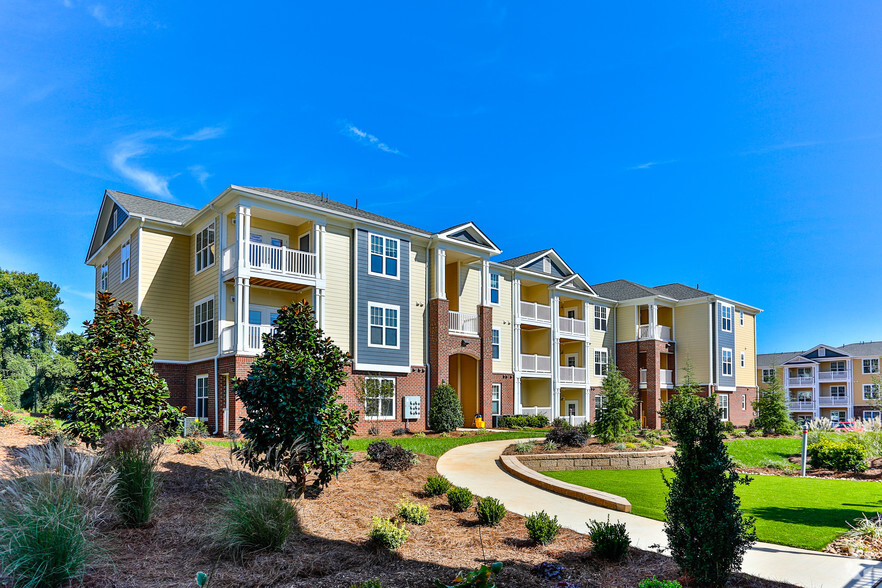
{"type": "Point", "coordinates": [734, 147]}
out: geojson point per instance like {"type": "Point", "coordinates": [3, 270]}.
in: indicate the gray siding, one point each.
{"type": "Point", "coordinates": [384, 291]}
{"type": "Point", "coordinates": [537, 266]}
{"type": "Point", "coordinates": [725, 339]}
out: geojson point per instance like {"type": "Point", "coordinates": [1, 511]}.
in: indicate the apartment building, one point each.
{"type": "Point", "coordinates": [839, 383]}
{"type": "Point", "coordinates": [412, 307]}
{"type": "Point", "coordinates": [658, 329]}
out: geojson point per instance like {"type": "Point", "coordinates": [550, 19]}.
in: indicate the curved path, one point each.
{"type": "Point", "coordinates": [475, 467]}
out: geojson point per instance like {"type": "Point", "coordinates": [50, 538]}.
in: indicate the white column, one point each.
{"type": "Point", "coordinates": [485, 282]}
{"type": "Point", "coordinates": [238, 319]}
{"type": "Point", "coordinates": [653, 319]}
{"type": "Point", "coordinates": [516, 348]}
{"type": "Point", "coordinates": [516, 300]}
{"type": "Point", "coordinates": [319, 306]}
{"type": "Point", "coordinates": [320, 255]}
{"type": "Point", "coordinates": [243, 324]}
{"type": "Point", "coordinates": [241, 240]}
{"type": "Point", "coordinates": [440, 273]}
{"type": "Point", "coordinates": [518, 406]}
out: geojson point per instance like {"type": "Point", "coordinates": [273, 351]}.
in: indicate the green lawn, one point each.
{"type": "Point", "coordinates": [437, 445]}
{"type": "Point", "coordinates": [801, 512]}
{"type": "Point", "coordinates": [756, 453]}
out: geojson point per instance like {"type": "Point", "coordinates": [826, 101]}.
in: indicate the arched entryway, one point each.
{"type": "Point", "coordinates": [464, 379]}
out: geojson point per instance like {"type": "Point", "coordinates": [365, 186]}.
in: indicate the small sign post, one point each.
{"type": "Point", "coordinates": [804, 446]}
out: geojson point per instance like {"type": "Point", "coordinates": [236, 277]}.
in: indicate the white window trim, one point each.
{"type": "Point", "coordinates": [498, 289]}
{"type": "Point", "coordinates": [744, 402]}
{"type": "Point", "coordinates": [394, 401]}
{"type": "Point", "coordinates": [605, 351]}
{"type": "Point", "coordinates": [870, 386]}
{"type": "Point", "coordinates": [723, 362]}
{"type": "Point", "coordinates": [496, 396]}
{"type": "Point", "coordinates": [724, 405]}
{"type": "Point", "coordinates": [606, 319]}
{"type": "Point", "coordinates": [731, 317]}
{"type": "Point", "coordinates": [495, 331]}
{"type": "Point", "coordinates": [770, 371]}
{"type": "Point", "coordinates": [196, 407]}
{"type": "Point", "coordinates": [742, 359]}
{"type": "Point", "coordinates": [213, 321]}
{"type": "Point", "coordinates": [397, 275]}
{"type": "Point", "coordinates": [196, 254]}
{"type": "Point", "coordinates": [125, 263]}
{"type": "Point", "coordinates": [103, 277]}
{"type": "Point", "coordinates": [838, 387]}
{"type": "Point", "coordinates": [868, 414]}
{"type": "Point", "coordinates": [385, 307]}
{"type": "Point", "coordinates": [871, 359]}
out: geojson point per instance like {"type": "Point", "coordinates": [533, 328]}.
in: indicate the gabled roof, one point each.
{"type": "Point", "coordinates": [799, 359]}
{"type": "Point", "coordinates": [777, 359]}
{"type": "Point", "coordinates": [863, 349]}
{"type": "Point", "coordinates": [522, 261]}
{"type": "Point", "coordinates": [575, 282]}
{"type": "Point", "coordinates": [624, 290]}
{"type": "Point", "coordinates": [471, 234]}
{"type": "Point", "coordinates": [680, 291]}
{"type": "Point", "coordinates": [153, 209]}
{"type": "Point", "coordinates": [829, 351]}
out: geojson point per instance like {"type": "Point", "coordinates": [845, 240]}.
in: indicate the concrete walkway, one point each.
{"type": "Point", "coordinates": [475, 467]}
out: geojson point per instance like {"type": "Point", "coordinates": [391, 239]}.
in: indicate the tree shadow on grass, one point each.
{"type": "Point", "coordinates": [809, 517]}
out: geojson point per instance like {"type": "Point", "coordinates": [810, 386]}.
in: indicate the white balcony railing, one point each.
{"type": "Point", "coordinates": [571, 326]}
{"type": "Point", "coordinates": [573, 375]}
{"type": "Point", "coordinates": [253, 338]}
{"type": "Point", "coordinates": [834, 376]}
{"type": "Point", "coordinates": [654, 332]}
{"type": "Point", "coordinates": [228, 339]}
{"type": "Point", "coordinates": [535, 363]}
{"type": "Point", "coordinates": [799, 380]}
{"type": "Point", "coordinates": [666, 377]}
{"type": "Point", "coordinates": [463, 323]}
{"type": "Point", "coordinates": [643, 377]}
{"type": "Point", "coordinates": [534, 410]}
{"type": "Point", "coordinates": [574, 420]}
{"type": "Point", "coordinates": [800, 405]}
{"type": "Point", "coordinates": [832, 400]}
{"type": "Point", "coordinates": [273, 259]}
{"type": "Point", "coordinates": [535, 312]}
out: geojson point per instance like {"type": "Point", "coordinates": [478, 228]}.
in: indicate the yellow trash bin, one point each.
{"type": "Point", "coordinates": [479, 421]}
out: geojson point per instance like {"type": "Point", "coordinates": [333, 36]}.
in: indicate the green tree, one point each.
{"type": "Point", "coordinates": [68, 344]}
{"type": "Point", "coordinates": [616, 419]}
{"type": "Point", "coordinates": [51, 382]}
{"type": "Point", "coordinates": [115, 385]}
{"type": "Point", "coordinates": [445, 413]}
{"type": "Point", "coordinates": [296, 423]}
{"type": "Point", "coordinates": [772, 415]}
{"type": "Point", "coordinates": [706, 528]}
{"type": "Point", "coordinates": [30, 312]}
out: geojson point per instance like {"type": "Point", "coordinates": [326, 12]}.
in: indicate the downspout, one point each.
{"type": "Point", "coordinates": [712, 368]}
{"type": "Point", "coordinates": [221, 295]}
{"type": "Point", "coordinates": [429, 267]}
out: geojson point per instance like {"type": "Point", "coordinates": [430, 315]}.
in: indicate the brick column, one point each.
{"type": "Point", "coordinates": [653, 383]}
{"type": "Point", "coordinates": [485, 379]}
{"type": "Point", "coordinates": [439, 344]}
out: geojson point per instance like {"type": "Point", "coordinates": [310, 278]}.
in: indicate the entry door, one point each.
{"type": "Point", "coordinates": [270, 258]}
{"type": "Point", "coordinates": [571, 313]}
{"type": "Point", "coordinates": [572, 408]}
{"type": "Point", "coordinates": [571, 359]}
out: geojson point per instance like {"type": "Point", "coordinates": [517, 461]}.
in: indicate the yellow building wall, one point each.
{"type": "Point", "coordinates": [570, 348]}
{"type": "Point", "coordinates": [127, 290]}
{"type": "Point", "coordinates": [536, 293]}
{"type": "Point", "coordinates": [536, 341]}
{"type": "Point", "coordinates": [861, 378]}
{"type": "Point", "coordinates": [535, 392]}
{"type": "Point", "coordinates": [572, 394]}
{"type": "Point", "coordinates": [691, 334]}
{"type": "Point", "coordinates": [202, 285]}
{"type": "Point", "coordinates": [338, 282]}
{"type": "Point", "coordinates": [165, 259]}
{"type": "Point", "coordinates": [418, 273]}
{"type": "Point", "coordinates": [469, 288]}
{"type": "Point", "coordinates": [745, 342]}
{"type": "Point", "coordinates": [602, 340]}
{"type": "Point", "coordinates": [501, 316]}
{"type": "Point", "coordinates": [275, 298]}
{"type": "Point", "coordinates": [759, 377]}
{"type": "Point", "coordinates": [576, 305]}
{"type": "Point", "coordinates": [626, 328]}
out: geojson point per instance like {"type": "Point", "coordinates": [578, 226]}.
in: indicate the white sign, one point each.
{"type": "Point", "coordinates": [412, 407]}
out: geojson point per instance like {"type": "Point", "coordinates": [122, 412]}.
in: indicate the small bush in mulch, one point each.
{"type": "Point", "coordinates": [45, 427]}
{"type": "Point", "coordinates": [392, 457]}
{"type": "Point", "coordinates": [550, 570]}
{"type": "Point", "coordinates": [567, 436]}
{"type": "Point", "coordinates": [611, 540]}
{"type": "Point", "coordinates": [542, 528]}
{"type": "Point", "coordinates": [7, 417]}
{"type": "Point", "coordinates": [490, 511]}
{"type": "Point", "coordinates": [412, 512]}
{"type": "Point", "coordinates": [459, 499]}
{"type": "Point", "coordinates": [191, 445]}
{"type": "Point", "coordinates": [387, 534]}
{"type": "Point", "coordinates": [654, 582]}
{"type": "Point", "coordinates": [436, 486]}
{"type": "Point", "coordinates": [256, 516]}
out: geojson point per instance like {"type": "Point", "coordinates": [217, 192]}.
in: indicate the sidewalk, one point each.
{"type": "Point", "coordinates": [474, 466]}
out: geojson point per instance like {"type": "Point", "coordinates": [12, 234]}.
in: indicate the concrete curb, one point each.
{"type": "Point", "coordinates": [513, 466]}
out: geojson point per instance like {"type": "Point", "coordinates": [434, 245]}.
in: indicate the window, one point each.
{"type": "Point", "coordinates": [496, 399]}
{"type": "Point", "coordinates": [768, 374]}
{"type": "Point", "coordinates": [103, 277]}
{"type": "Point", "coordinates": [203, 322]}
{"type": "Point", "coordinates": [384, 256]}
{"type": "Point", "coordinates": [741, 317]}
{"type": "Point", "coordinates": [871, 392]}
{"type": "Point", "coordinates": [379, 398]}
{"type": "Point", "coordinates": [727, 362]}
{"type": "Point", "coordinates": [598, 406]}
{"type": "Point", "coordinates": [205, 248]}
{"type": "Point", "coordinates": [803, 396]}
{"type": "Point", "coordinates": [726, 317]}
{"type": "Point", "coordinates": [742, 359]}
{"type": "Point", "coordinates": [871, 366]}
{"type": "Point", "coordinates": [871, 414]}
{"type": "Point", "coordinates": [838, 416]}
{"type": "Point", "coordinates": [124, 263]}
{"type": "Point", "coordinates": [303, 243]}
{"type": "Point", "coordinates": [724, 407]}
{"type": "Point", "coordinates": [202, 397]}
{"type": "Point", "coordinates": [601, 362]}
{"type": "Point", "coordinates": [601, 314]}
{"type": "Point", "coordinates": [383, 327]}
{"type": "Point", "coordinates": [803, 372]}
{"type": "Point", "coordinates": [494, 288]}
{"type": "Point", "coordinates": [837, 366]}
{"type": "Point", "coordinates": [744, 402]}
{"type": "Point", "coordinates": [837, 392]}
{"type": "Point", "coordinates": [495, 343]}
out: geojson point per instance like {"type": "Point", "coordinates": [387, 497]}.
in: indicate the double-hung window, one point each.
{"type": "Point", "coordinates": [601, 362]}
{"type": "Point", "coordinates": [203, 322]}
{"type": "Point", "coordinates": [379, 397]}
{"type": "Point", "coordinates": [742, 359]}
{"type": "Point", "coordinates": [601, 314]}
{"type": "Point", "coordinates": [726, 317]}
{"type": "Point", "coordinates": [384, 256]}
{"type": "Point", "coordinates": [202, 397]}
{"type": "Point", "coordinates": [870, 366]}
{"type": "Point", "coordinates": [383, 327]}
{"type": "Point", "coordinates": [598, 406]}
{"type": "Point", "coordinates": [727, 362]}
{"type": "Point", "coordinates": [871, 392]}
{"type": "Point", "coordinates": [125, 261]}
{"type": "Point", "coordinates": [103, 277]}
{"type": "Point", "coordinates": [837, 392]}
{"type": "Point", "coordinates": [495, 343]}
{"type": "Point", "coordinates": [871, 414]}
{"type": "Point", "coordinates": [724, 407]}
{"type": "Point", "coordinates": [496, 399]}
{"type": "Point", "coordinates": [205, 248]}
{"type": "Point", "coordinates": [494, 288]}
{"type": "Point", "coordinates": [768, 374]}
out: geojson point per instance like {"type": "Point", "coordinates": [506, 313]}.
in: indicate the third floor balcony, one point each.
{"type": "Point", "coordinates": [272, 260]}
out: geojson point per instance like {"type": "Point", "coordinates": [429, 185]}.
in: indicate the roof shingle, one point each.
{"type": "Point", "coordinates": [158, 209]}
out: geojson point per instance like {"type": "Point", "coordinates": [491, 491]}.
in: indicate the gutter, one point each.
{"type": "Point", "coordinates": [218, 261]}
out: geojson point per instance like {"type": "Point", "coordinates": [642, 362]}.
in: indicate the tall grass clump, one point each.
{"type": "Point", "coordinates": [256, 516]}
{"type": "Point", "coordinates": [132, 454]}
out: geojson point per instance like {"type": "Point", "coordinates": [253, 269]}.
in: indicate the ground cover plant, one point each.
{"type": "Point", "coordinates": [437, 446]}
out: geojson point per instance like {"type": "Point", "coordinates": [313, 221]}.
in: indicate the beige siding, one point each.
{"type": "Point", "coordinates": [469, 288]}
{"type": "Point", "coordinates": [691, 334]}
{"type": "Point", "coordinates": [164, 292]}
{"type": "Point", "coordinates": [418, 275]}
{"type": "Point", "coordinates": [860, 378]}
{"type": "Point", "coordinates": [626, 328]}
{"type": "Point", "coordinates": [601, 339]}
{"type": "Point", "coordinates": [276, 298]}
{"type": "Point", "coordinates": [745, 343]}
{"type": "Point", "coordinates": [502, 315]}
{"type": "Point", "coordinates": [535, 392]}
{"type": "Point", "coordinates": [127, 290]}
{"type": "Point", "coordinates": [338, 292]}
{"type": "Point", "coordinates": [536, 342]}
{"type": "Point", "coordinates": [202, 285]}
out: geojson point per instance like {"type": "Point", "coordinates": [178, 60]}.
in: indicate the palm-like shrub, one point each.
{"type": "Point", "coordinates": [257, 516]}
{"type": "Point", "coordinates": [132, 454]}
{"type": "Point", "coordinates": [445, 413]}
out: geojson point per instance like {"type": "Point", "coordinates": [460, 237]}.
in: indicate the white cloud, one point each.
{"type": "Point", "coordinates": [200, 173]}
{"type": "Point", "coordinates": [650, 164]}
{"type": "Point", "coordinates": [361, 136]}
{"type": "Point", "coordinates": [80, 293]}
{"type": "Point", "coordinates": [132, 147]}
{"type": "Point", "coordinates": [99, 13]}
{"type": "Point", "coordinates": [67, 3]}
{"type": "Point", "coordinates": [205, 133]}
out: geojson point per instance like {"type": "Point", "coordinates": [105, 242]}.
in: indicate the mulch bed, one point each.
{"type": "Point", "coordinates": [332, 550]}
{"type": "Point", "coordinates": [873, 472]}
{"type": "Point", "coordinates": [593, 446]}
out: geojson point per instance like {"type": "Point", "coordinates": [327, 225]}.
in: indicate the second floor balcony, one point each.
{"type": "Point", "coordinates": [274, 260]}
{"type": "Point", "coordinates": [572, 327]}
{"type": "Point", "coordinates": [654, 332]}
{"type": "Point", "coordinates": [801, 405]}
{"type": "Point", "coordinates": [834, 376]}
{"type": "Point", "coordinates": [839, 400]}
{"type": "Point", "coordinates": [534, 312]}
{"type": "Point", "coordinates": [538, 364]}
{"type": "Point", "coordinates": [573, 375]}
{"type": "Point", "coordinates": [665, 378]}
{"type": "Point", "coordinates": [464, 323]}
{"type": "Point", "coordinates": [802, 379]}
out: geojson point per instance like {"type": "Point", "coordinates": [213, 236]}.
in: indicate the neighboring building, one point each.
{"type": "Point", "coordinates": [839, 383]}
{"type": "Point", "coordinates": [412, 308]}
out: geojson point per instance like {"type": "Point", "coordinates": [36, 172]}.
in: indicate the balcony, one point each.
{"type": "Point", "coordinates": [537, 364]}
{"type": "Point", "coordinates": [572, 327]}
{"type": "Point", "coordinates": [573, 375]}
{"type": "Point", "coordinates": [796, 381]}
{"type": "Point", "coordinates": [253, 338]}
{"type": "Point", "coordinates": [533, 311]}
{"type": "Point", "coordinates": [665, 378]}
{"type": "Point", "coordinates": [534, 410]}
{"type": "Point", "coordinates": [654, 332]}
{"type": "Point", "coordinates": [832, 400]}
{"type": "Point", "coordinates": [273, 259]}
{"type": "Point", "coordinates": [838, 376]}
{"type": "Point", "coordinates": [463, 323]}
{"type": "Point", "coordinates": [800, 406]}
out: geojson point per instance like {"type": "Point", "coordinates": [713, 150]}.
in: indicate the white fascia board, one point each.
{"type": "Point", "coordinates": [735, 303]}
{"type": "Point", "coordinates": [445, 236]}
{"type": "Point", "coordinates": [112, 237]}
{"type": "Point", "coordinates": [374, 367]}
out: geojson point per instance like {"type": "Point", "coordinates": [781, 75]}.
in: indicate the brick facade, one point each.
{"type": "Point", "coordinates": [630, 358]}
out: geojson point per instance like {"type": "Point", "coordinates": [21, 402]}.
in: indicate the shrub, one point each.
{"type": "Point", "coordinates": [480, 578]}
{"type": "Point", "coordinates": [374, 431]}
{"type": "Point", "coordinates": [445, 413]}
{"type": "Point", "coordinates": [368, 584]}
{"type": "Point", "coordinates": [738, 434]}
{"type": "Point", "coordinates": [843, 456]}
{"type": "Point", "coordinates": [444, 435]}
{"type": "Point", "coordinates": [756, 434]}
{"type": "Point", "coordinates": [7, 417]}
{"type": "Point", "coordinates": [549, 445]}
{"type": "Point", "coordinates": [131, 453]}
{"type": "Point", "coordinates": [550, 570]}
{"type": "Point", "coordinates": [525, 446]}
{"type": "Point", "coordinates": [412, 512]}
{"type": "Point", "coordinates": [645, 445]}
{"type": "Point", "coordinates": [560, 423]}
{"type": "Point", "coordinates": [44, 427]}
{"type": "Point", "coordinates": [610, 540]}
{"type": "Point", "coordinates": [256, 516]}
{"type": "Point", "coordinates": [420, 435]}
{"type": "Point", "coordinates": [191, 446]}
{"type": "Point", "coordinates": [654, 582]}
{"type": "Point", "coordinates": [538, 421]}
{"type": "Point", "coordinates": [436, 485]}
{"type": "Point", "coordinates": [115, 384]}
{"type": "Point", "coordinates": [392, 457]}
{"type": "Point", "coordinates": [630, 446]}
{"type": "Point", "coordinates": [376, 449]}
{"type": "Point", "coordinates": [542, 528]}
{"type": "Point", "coordinates": [618, 403]}
{"type": "Point", "coordinates": [490, 511]}
{"type": "Point", "coordinates": [387, 534]}
{"type": "Point", "coordinates": [399, 431]}
{"type": "Point", "coordinates": [586, 428]}
{"type": "Point", "coordinates": [198, 428]}
{"type": "Point", "coordinates": [865, 527]}
{"type": "Point", "coordinates": [729, 427]}
{"type": "Point", "coordinates": [569, 436]}
{"type": "Point", "coordinates": [620, 447]}
{"type": "Point", "coordinates": [459, 499]}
